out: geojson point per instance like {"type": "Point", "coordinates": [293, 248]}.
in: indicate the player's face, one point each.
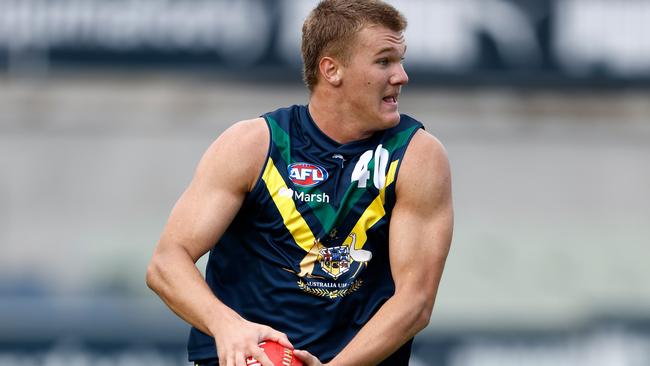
{"type": "Point", "coordinates": [373, 77]}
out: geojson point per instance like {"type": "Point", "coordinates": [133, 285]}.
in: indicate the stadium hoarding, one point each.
{"type": "Point", "coordinates": [475, 41]}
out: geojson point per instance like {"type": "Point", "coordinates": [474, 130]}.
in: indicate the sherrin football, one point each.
{"type": "Point", "coordinates": [277, 353]}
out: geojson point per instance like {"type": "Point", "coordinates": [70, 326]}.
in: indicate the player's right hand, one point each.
{"type": "Point", "coordinates": [307, 358]}
{"type": "Point", "coordinates": [236, 339]}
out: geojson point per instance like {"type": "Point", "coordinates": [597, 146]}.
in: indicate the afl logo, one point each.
{"type": "Point", "coordinates": [307, 174]}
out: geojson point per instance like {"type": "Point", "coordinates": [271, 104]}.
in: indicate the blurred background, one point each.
{"type": "Point", "coordinates": [543, 105]}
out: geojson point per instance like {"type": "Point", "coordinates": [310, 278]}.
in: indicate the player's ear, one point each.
{"type": "Point", "coordinates": [330, 70]}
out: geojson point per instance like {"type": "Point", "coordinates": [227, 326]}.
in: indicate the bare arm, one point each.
{"type": "Point", "coordinates": [226, 172]}
{"type": "Point", "coordinates": [420, 237]}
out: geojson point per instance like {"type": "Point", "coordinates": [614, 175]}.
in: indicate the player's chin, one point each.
{"type": "Point", "coordinates": [390, 119]}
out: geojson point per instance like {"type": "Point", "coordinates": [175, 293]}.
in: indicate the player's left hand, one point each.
{"type": "Point", "coordinates": [307, 358]}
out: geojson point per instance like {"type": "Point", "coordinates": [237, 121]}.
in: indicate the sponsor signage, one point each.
{"type": "Point", "coordinates": [575, 39]}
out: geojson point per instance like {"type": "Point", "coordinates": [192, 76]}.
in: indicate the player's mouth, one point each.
{"type": "Point", "coordinates": [390, 99]}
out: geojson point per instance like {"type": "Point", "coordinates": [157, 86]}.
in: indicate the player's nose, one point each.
{"type": "Point", "coordinates": [399, 77]}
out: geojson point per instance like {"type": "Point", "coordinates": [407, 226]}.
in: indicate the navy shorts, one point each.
{"type": "Point", "coordinates": [208, 362]}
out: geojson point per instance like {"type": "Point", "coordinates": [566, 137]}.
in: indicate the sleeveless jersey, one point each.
{"type": "Point", "coordinates": [307, 254]}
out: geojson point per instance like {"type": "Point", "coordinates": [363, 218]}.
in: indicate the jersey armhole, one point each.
{"type": "Point", "coordinates": [266, 158]}
{"type": "Point", "coordinates": [401, 160]}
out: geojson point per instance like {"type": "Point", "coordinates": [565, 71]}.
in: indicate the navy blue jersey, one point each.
{"type": "Point", "coordinates": [307, 254]}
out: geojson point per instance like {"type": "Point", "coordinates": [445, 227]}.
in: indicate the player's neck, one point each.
{"type": "Point", "coordinates": [331, 117]}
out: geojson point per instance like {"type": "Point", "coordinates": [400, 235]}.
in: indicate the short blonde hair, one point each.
{"type": "Point", "coordinates": [332, 26]}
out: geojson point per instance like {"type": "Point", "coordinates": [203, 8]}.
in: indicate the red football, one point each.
{"type": "Point", "coordinates": [279, 355]}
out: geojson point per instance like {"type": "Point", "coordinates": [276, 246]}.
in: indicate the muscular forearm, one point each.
{"type": "Point", "coordinates": [174, 277]}
{"type": "Point", "coordinates": [397, 321]}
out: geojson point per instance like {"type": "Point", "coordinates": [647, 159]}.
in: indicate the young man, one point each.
{"type": "Point", "coordinates": [328, 225]}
